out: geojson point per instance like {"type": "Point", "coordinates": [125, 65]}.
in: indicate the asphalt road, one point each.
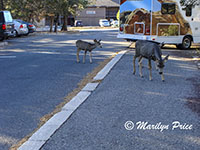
{"type": "Point", "coordinates": [37, 72]}
{"type": "Point", "coordinates": [99, 122]}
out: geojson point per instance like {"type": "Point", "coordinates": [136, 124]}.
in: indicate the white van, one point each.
{"type": "Point", "coordinates": [169, 21]}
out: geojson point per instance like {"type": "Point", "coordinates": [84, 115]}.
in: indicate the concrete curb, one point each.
{"type": "Point", "coordinates": [41, 136]}
{"type": "Point", "coordinates": [102, 74]}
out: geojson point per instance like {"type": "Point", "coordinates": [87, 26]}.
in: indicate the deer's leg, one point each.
{"type": "Point", "coordinates": [140, 63]}
{"type": "Point", "coordinates": [140, 66]}
{"type": "Point", "coordinates": [150, 70]}
{"type": "Point", "coordinates": [134, 58]}
{"type": "Point", "coordinates": [84, 56]}
{"type": "Point", "coordinates": [77, 55]}
{"type": "Point", "coordinates": [162, 75]}
{"type": "Point", "coordinates": [156, 65]}
{"type": "Point", "coordinates": [90, 57]}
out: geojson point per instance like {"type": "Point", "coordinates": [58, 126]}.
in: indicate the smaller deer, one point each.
{"type": "Point", "coordinates": [150, 51]}
{"type": "Point", "coordinates": [86, 46]}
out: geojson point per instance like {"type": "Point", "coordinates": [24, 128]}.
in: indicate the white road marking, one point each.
{"type": "Point", "coordinates": [3, 44]}
{"type": "Point", "coordinates": [5, 57]}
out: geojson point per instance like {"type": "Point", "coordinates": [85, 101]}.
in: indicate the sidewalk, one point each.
{"type": "Point", "coordinates": [84, 28]}
{"type": "Point", "coordinates": [99, 123]}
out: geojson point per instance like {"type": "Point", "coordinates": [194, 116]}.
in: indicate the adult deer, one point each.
{"type": "Point", "coordinates": [86, 46]}
{"type": "Point", "coordinates": [150, 51]}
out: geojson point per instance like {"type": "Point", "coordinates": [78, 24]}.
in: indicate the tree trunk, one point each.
{"type": "Point", "coordinates": [51, 25]}
{"type": "Point", "coordinates": [56, 23]}
{"type": "Point", "coordinates": [64, 27]}
{"type": "Point", "coordinates": [2, 5]}
{"type": "Point", "coordinates": [30, 18]}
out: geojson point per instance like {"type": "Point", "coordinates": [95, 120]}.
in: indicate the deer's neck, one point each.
{"type": "Point", "coordinates": [158, 54]}
{"type": "Point", "coordinates": [93, 46]}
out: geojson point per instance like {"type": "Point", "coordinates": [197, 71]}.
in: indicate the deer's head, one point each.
{"type": "Point", "coordinates": [161, 64]}
{"type": "Point", "coordinates": [98, 43]}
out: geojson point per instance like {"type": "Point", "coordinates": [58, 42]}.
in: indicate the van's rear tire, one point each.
{"type": "Point", "coordinates": [187, 41]}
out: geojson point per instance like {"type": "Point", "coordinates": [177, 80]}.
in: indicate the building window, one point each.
{"type": "Point", "coordinates": [168, 8]}
{"type": "Point", "coordinates": [111, 13]}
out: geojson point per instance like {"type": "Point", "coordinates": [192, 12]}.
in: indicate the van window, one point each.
{"type": "Point", "coordinates": [7, 16]}
{"type": "Point", "coordinates": [168, 8]}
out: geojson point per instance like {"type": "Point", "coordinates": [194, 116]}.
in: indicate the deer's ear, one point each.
{"type": "Point", "coordinates": [166, 58]}
{"type": "Point", "coordinates": [100, 40]}
{"type": "Point", "coordinates": [95, 40]}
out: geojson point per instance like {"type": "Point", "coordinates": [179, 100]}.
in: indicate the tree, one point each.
{"type": "Point", "coordinates": [52, 9]}
{"type": "Point", "coordinates": [2, 5]}
{"type": "Point", "coordinates": [188, 5]}
{"type": "Point", "coordinates": [71, 7]}
{"type": "Point", "coordinates": [63, 8]}
{"type": "Point", "coordinates": [26, 9]}
{"type": "Point", "coordinates": [31, 10]}
{"type": "Point", "coordinates": [189, 2]}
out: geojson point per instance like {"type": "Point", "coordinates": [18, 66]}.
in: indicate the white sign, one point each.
{"type": "Point", "coordinates": [89, 12]}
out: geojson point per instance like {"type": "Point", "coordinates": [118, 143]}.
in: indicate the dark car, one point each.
{"type": "Point", "coordinates": [31, 27]}
{"type": "Point", "coordinates": [6, 25]}
{"type": "Point", "coordinates": [78, 23]}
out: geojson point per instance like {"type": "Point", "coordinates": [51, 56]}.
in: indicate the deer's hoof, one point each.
{"type": "Point", "coordinates": [133, 73]}
{"type": "Point", "coordinates": [142, 76]}
{"type": "Point", "coordinates": [78, 61]}
{"type": "Point", "coordinates": [163, 80]}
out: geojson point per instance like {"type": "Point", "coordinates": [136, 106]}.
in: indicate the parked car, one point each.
{"type": "Point", "coordinates": [31, 27]}
{"type": "Point", "coordinates": [6, 25]}
{"type": "Point", "coordinates": [78, 23]}
{"type": "Point", "coordinates": [114, 23]}
{"type": "Point", "coordinates": [20, 29]}
{"type": "Point", "coordinates": [104, 23]}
